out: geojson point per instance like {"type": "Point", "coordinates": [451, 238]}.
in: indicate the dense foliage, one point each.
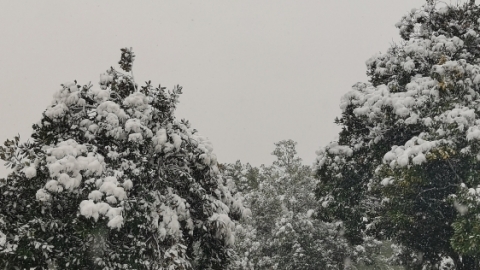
{"type": "Point", "coordinates": [282, 232]}
{"type": "Point", "coordinates": [406, 164]}
{"type": "Point", "coordinates": [111, 180]}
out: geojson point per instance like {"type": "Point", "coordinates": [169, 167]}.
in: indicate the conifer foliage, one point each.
{"type": "Point", "coordinates": [112, 180]}
{"type": "Point", "coordinates": [406, 165]}
{"type": "Point", "coordinates": [282, 232]}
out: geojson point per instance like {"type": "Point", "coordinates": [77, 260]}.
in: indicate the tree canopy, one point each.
{"type": "Point", "coordinates": [405, 166]}
{"type": "Point", "coordinates": [282, 232]}
{"type": "Point", "coordinates": [112, 180]}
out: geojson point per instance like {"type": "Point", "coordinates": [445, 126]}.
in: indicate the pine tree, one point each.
{"type": "Point", "coordinates": [282, 232]}
{"type": "Point", "coordinates": [406, 164]}
{"type": "Point", "coordinates": [112, 180]}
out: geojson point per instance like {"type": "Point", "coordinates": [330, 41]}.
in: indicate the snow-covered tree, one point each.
{"type": "Point", "coordinates": [406, 164]}
{"type": "Point", "coordinates": [112, 180]}
{"type": "Point", "coordinates": [282, 232]}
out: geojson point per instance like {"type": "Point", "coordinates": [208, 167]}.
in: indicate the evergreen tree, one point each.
{"type": "Point", "coordinates": [112, 180]}
{"type": "Point", "coordinates": [406, 164]}
{"type": "Point", "coordinates": [281, 232]}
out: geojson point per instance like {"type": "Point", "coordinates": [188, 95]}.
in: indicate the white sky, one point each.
{"type": "Point", "coordinates": [254, 72]}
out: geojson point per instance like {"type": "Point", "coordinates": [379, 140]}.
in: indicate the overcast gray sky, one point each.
{"type": "Point", "coordinates": [254, 72]}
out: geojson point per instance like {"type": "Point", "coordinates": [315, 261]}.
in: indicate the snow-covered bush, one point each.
{"type": "Point", "coordinates": [112, 180]}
